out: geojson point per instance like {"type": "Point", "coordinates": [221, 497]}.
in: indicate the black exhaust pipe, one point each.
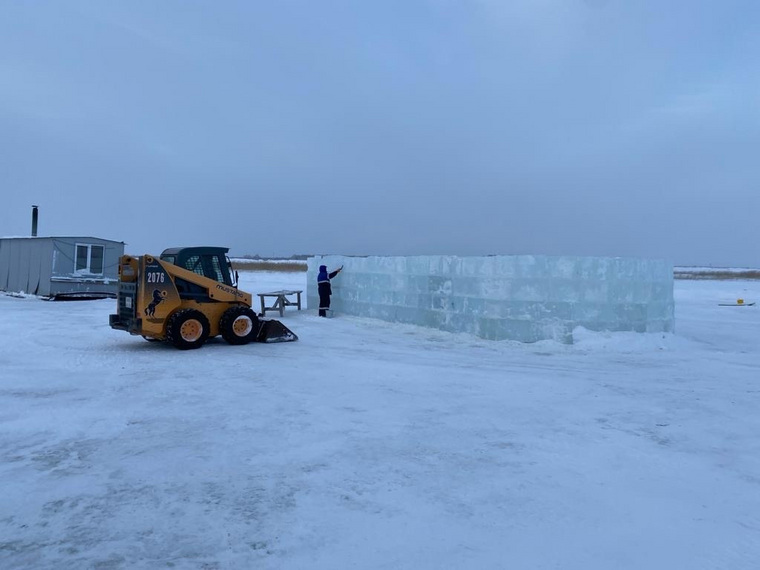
{"type": "Point", "coordinates": [34, 221]}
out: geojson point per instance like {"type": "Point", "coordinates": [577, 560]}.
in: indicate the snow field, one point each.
{"type": "Point", "coordinates": [369, 444]}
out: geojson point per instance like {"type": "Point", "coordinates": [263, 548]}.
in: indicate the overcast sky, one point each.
{"type": "Point", "coordinates": [562, 127]}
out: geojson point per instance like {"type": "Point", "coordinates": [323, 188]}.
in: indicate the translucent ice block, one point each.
{"type": "Point", "coordinates": [525, 298]}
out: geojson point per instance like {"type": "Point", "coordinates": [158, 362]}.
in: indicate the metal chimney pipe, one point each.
{"type": "Point", "coordinates": [34, 221]}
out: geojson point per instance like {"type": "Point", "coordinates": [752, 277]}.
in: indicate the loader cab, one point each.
{"type": "Point", "coordinates": [211, 262]}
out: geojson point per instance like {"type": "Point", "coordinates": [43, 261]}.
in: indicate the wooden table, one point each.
{"type": "Point", "coordinates": [281, 301]}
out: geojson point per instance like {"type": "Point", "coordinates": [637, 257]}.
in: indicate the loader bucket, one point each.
{"type": "Point", "coordinates": [275, 331]}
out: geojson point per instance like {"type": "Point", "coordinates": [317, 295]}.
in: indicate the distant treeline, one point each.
{"type": "Point", "coordinates": [298, 263]}
{"type": "Point", "coordinates": [283, 265]}
{"type": "Point", "coordinates": [715, 273]}
{"type": "Point", "coordinates": [298, 257]}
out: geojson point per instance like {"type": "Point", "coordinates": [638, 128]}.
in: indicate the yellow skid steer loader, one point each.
{"type": "Point", "coordinates": [186, 296]}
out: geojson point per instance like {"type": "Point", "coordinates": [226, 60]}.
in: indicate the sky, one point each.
{"type": "Point", "coordinates": [558, 127]}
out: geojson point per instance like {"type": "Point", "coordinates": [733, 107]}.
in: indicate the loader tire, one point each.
{"type": "Point", "coordinates": [187, 329]}
{"type": "Point", "coordinates": [239, 325]}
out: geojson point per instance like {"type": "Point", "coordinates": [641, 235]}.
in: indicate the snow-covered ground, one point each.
{"type": "Point", "coordinates": [371, 445]}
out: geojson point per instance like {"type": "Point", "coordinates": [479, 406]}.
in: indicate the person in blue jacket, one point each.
{"type": "Point", "coordinates": [324, 288]}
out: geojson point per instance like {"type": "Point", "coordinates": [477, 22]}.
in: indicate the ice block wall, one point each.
{"type": "Point", "coordinates": [525, 298]}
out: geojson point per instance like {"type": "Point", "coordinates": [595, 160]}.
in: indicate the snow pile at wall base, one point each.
{"type": "Point", "coordinates": [525, 298]}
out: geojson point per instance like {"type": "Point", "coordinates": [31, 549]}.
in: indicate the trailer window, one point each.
{"type": "Point", "coordinates": [96, 259]}
{"type": "Point", "coordinates": [88, 258]}
{"type": "Point", "coordinates": [81, 259]}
